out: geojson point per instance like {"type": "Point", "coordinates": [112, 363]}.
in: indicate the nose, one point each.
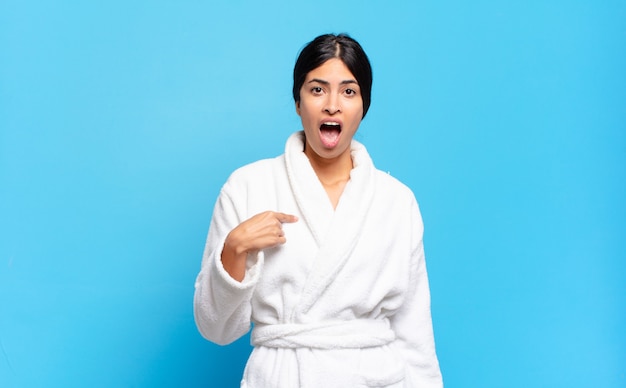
{"type": "Point", "coordinates": [332, 105]}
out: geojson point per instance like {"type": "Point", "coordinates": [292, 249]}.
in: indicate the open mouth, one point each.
{"type": "Point", "coordinates": [329, 133]}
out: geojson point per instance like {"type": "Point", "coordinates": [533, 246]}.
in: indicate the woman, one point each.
{"type": "Point", "coordinates": [321, 251]}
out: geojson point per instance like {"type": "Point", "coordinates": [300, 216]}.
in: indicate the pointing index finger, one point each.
{"type": "Point", "coordinates": [285, 218]}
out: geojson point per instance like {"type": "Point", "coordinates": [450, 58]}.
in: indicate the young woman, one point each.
{"type": "Point", "coordinates": [320, 250]}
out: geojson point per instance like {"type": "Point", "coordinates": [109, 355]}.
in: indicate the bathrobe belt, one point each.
{"type": "Point", "coordinates": [352, 334]}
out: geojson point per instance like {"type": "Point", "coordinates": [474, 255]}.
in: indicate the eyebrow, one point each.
{"type": "Point", "coordinates": [323, 82]}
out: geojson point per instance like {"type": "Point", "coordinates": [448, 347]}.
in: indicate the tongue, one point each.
{"type": "Point", "coordinates": [329, 136]}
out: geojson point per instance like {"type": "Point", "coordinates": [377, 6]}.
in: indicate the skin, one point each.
{"type": "Point", "coordinates": [262, 231]}
{"type": "Point", "coordinates": [329, 93]}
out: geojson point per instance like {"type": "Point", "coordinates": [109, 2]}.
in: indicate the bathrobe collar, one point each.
{"type": "Point", "coordinates": [335, 231]}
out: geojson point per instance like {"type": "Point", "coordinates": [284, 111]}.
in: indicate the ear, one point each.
{"type": "Point", "coordinates": [298, 107]}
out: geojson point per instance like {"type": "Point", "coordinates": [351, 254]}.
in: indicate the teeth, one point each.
{"type": "Point", "coordinates": [331, 123]}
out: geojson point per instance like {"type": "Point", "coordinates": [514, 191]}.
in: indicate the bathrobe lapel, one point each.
{"type": "Point", "coordinates": [316, 209]}
{"type": "Point", "coordinates": [335, 231]}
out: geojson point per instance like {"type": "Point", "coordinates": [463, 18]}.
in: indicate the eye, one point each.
{"type": "Point", "coordinates": [316, 90]}
{"type": "Point", "coordinates": [350, 92]}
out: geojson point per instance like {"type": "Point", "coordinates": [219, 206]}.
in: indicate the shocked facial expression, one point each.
{"type": "Point", "coordinates": [331, 109]}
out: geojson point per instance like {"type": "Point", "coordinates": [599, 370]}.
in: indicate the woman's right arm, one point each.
{"type": "Point", "coordinates": [231, 265]}
{"type": "Point", "coordinates": [222, 304]}
{"type": "Point", "coordinates": [262, 231]}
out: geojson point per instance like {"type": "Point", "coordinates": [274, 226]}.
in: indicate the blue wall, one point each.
{"type": "Point", "coordinates": [119, 122]}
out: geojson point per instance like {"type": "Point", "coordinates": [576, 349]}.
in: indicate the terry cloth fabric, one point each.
{"type": "Point", "coordinates": [345, 301]}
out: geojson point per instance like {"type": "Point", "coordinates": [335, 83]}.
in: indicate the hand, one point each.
{"type": "Point", "coordinates": [262, 231]}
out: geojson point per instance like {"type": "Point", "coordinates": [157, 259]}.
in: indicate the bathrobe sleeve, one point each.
{"type": "Point", "coordinates": [412, 323]}
{"type": "Point", "coordinates": [222, 307]}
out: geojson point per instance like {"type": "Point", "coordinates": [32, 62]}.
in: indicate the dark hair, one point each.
{"type": "Point", "coordinates": [341, 46]}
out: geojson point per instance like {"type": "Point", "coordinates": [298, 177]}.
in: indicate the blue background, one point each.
{"type": "Point", "coordinates": [120, 121]}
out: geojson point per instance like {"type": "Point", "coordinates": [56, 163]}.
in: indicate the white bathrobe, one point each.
{"type": "Point", "coordinates": [345, 301]}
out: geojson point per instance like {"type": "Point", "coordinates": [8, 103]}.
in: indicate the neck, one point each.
{"type": "Point", "coordinates": [331, 171]}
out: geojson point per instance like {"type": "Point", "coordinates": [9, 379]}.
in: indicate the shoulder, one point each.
{"type": "Point", "coordinates": [393, 187]}
{"type": "Point", "coordinates": [400, 204]}
{"type": "Point", "coordinates": [252, 170]}
{"type": "Point", "coordinates": [397, 197]}
{"type": "Point", "coordinates": [255, 174]}
{"type": "Point", "coordinates": [385, 184]}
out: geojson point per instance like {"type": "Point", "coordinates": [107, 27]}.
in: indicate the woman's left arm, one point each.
{"type": "Point", "coordinates": [412, 323]}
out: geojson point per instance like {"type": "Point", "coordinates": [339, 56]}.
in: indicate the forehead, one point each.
{"type": "Point", "coordinates": [332, 69]}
